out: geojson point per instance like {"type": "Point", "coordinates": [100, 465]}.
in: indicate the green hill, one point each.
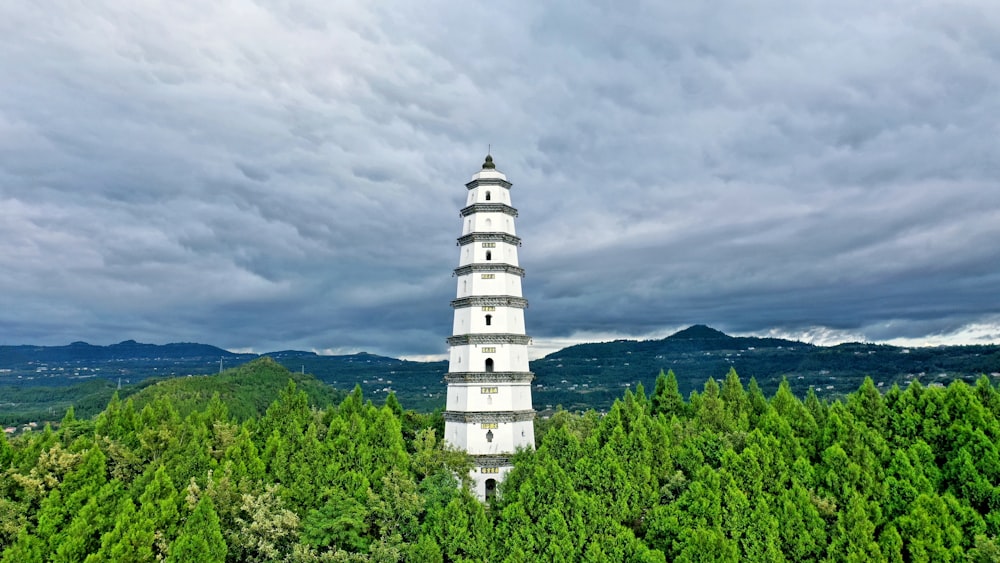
{"type": "Point", "coordinates": [246, 390]}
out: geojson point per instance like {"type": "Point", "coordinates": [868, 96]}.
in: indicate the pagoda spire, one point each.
{"type": "Point", "coordinates": [489, 412]}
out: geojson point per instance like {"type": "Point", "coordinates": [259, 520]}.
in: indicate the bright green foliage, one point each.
{"type": "Point", "coordinates": [802, 530]}
{"type": "Point", "coordinates": [426, 550]}
{"type": "Point", "coordinates": [76, 489]}
{"type": "Point", "coordinates": [431, 456]}
{"type": "Point", "coordinates": [891, 545]}
{"type": "Point", "coordinates": [393, 403]}
{"type": "Point", "coordinates": [96, 518]}
{"type": "Point", "coordinates": [243, 458]}
{"type": "Point", "coordinates": [130, 541]}
{"type": "Point", "coordinates": [340, 523]}
{"type": "Point", "coordinates": [158, 505]}
{"type": "Point", "coordinates": [758, 403]}
{"type": "Point", "coordinates": [730, 475]}
{"type": "Point", "coordinates": [6, 452]}
{"type": "Point", "coordinates": [711, 413]}
{"type": "Point", "coordinates": [27, 549]}
{"type": "Point", "coordinates": [930, 531]}
{"type": "Point", "coordinates": [986, 550]}
{"type": "Point", "coordinates": [395, 509]}
{"type": "Point", "coordinates": [288, 415]}
{"type": "Point", "coordinates": [201, 539]}
{"type": "Point", "coordinates": [736, 401]}
{"type": "Point", "coordinates": [854, 539]}
{"type": "Point", "coordinates": [464, 530]}
{"type": "Point", "coordinates": [704, 544]}
{"type": "Point", "coordinates": [667, 399]}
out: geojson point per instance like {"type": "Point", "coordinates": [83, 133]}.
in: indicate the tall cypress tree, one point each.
{"type": "Point", "coordinates": [667, 399]}
{"type": "Point", "coordinates": [200, 541]}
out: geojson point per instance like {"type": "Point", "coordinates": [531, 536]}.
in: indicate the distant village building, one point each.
{"type": "Point", "coordinates": [489, 412]}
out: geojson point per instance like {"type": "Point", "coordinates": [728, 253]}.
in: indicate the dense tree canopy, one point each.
{"type": "Point", "coordinates": [726, 474]}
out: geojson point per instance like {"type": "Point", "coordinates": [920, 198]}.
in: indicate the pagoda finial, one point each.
{"type": "Point", "coordinates": [488, 165]}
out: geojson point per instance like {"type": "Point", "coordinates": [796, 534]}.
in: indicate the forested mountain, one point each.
{"type": "Point", "coordinates": [728, 474]}
{"type": "Point", "coordinates": [579, 377]}
{"type": "Point", "coordinates": [592, 375]}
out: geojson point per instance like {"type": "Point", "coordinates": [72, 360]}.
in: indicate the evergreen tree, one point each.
{"type": "Point", "coordinates": [711, 413]}
{"type": "Point", "coordinates": [6, 452]}
{"type": "Point", "coordinates": [130, 541]}
{"type": "Point", "coordinates": [667, 399]}
{"type": "Point", "coordinates": [158, 505]}
{"type": "Point", "coordinates": [930, 532]}
{"type": "Point", "coordinates": [97, 517]}
{"type": "Point", "coordinates": [340, 523]}
{"type": "Point", "coordinates": [393, 403]}
{"type": "Point", "coordinates": [28, 548]}
{"type": "Point", "coordinates": [891, 545]}
{"type": "Point", "coordinates": [986, 550]}
{"type": "Point", "coordinates": [867, 405]}
{"type": "Point", "coordinates": [464, 530]}
{"type": "Point", "coordinates": [854, 539]}
{"type": "Point", "coordinates": [758, 402]}
{"type": "Point", "coordinates": [73, 493]}
{"type": "Point", "coordinates": [426, 550]}
{"type": "Point", "coordinates": [736, 400]}
{"type": "Point", "coordinates": [201, 540]}
{"type": "Point", "coordinates": [704, 545]}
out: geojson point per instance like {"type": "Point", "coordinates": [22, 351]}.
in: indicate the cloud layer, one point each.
{"type": "Point", "coordinates": [262, 175]}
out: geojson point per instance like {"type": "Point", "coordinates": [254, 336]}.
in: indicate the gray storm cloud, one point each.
{"type": "Point", "coordinates": [264, 176]}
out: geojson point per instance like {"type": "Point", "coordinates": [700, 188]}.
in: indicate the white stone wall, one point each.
{"type": "Point", "coordinates": [502, 253]}
{"type": "Point", "coordinates": [472, 357]}
{"type": "Point", "coordinates": [479, 283]}
{"type": "Point", "coordinates": [507, 437]}
{"type": "Point", "coordinates": [469, 397]}
{"type": "Point", "coordinates": [489, 223]}
{"type": "Point", "coordinates": [503, 320]}
{"type": "Point", "coordinates": [498, 194]}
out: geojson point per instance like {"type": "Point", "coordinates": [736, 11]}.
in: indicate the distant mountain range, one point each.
{"type": "Point", "coordinates": [127, 350]}
{"type": "Point", "coordinates": [578, 377]}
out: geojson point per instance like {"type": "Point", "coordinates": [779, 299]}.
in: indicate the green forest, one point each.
{"type": "Point", "coordinates": [186, 472]}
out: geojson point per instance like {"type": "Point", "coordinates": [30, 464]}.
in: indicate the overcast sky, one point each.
{"type": "Point", "coordinates": [272, 175]}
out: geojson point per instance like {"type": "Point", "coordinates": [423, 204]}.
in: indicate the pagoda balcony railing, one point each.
{"type": "Point", "coordinates": [488, 416]}
{"type": "Point", "coordinates": [489, 237]}
{"type": "Point", "coordinates": [488, 208]}
{"type": "Point", "coordinates": [489, 182]}
{"type": "Point", "coordinates": [490, 301]}
{"type": "Point", "coordinates": [498, 338]}
{"type": "Point", "coordinates": [492, 460]}
{"type": "Point", "coordinates": [494, 267]}
{"type": "Point", "coordinates": [489, 377]}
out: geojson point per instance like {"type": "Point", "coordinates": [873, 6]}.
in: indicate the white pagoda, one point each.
{"type": "Point", "coordinates": [489, 412]}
